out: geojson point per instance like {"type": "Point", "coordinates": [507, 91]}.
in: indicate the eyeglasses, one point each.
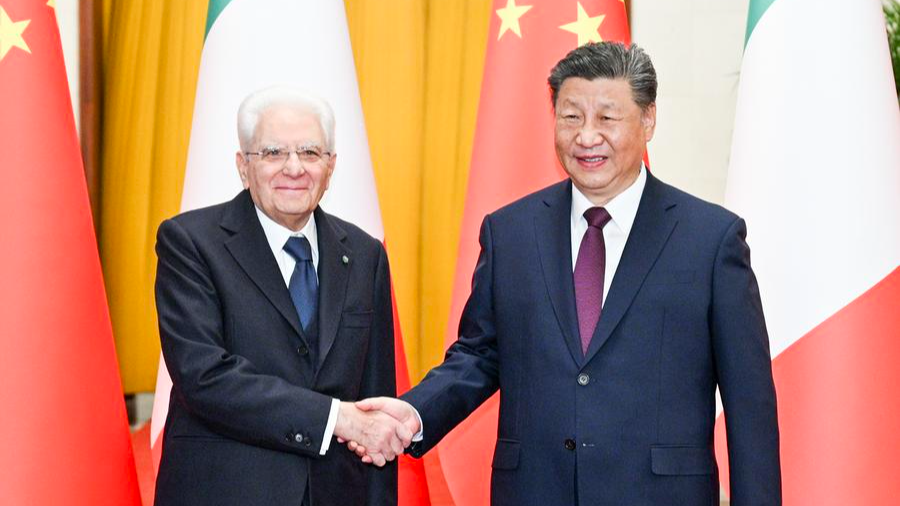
{"type": "Point", "coordinates": [277, 155]}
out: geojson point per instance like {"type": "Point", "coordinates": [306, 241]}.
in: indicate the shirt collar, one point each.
{"type": "Point", "coordinates": [277, 234]}
{"type": "Point", "coordinates": [622, 208]}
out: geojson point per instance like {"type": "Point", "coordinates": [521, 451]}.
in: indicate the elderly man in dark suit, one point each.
{"type": "Point", "coordinates": [272, 311]}
{"type": "Point", "coordinates": [606, 309]}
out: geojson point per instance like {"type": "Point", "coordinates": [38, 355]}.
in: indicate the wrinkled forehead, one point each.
{"type": "Point", "coordinates": [298, 126]}
{"type": "Point", "coordinates": [588, 102]}
{"type": "Point", "coordinates": [596, 93]}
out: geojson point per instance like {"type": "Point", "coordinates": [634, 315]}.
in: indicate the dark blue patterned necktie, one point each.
{"type": "Point", "coordinates": [303, 285]}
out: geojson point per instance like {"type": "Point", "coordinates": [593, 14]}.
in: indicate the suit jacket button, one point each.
{"type": "Point", "coordinates": [583, 379]}
{"type": "Point", "coordinates": [307, 442]}
{"type": "Point", "coordinates": [302, 350]}
{"type": "Point", "coordinates": [298, 438]}
{"type": "Point", "coordinates": [570, 444]}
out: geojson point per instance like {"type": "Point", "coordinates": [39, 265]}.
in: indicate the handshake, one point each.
{"type": "Point", "coordinates": [377, 429]}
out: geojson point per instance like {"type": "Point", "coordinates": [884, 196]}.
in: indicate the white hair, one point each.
{"type": "Point", "coordinates": [258, 102]}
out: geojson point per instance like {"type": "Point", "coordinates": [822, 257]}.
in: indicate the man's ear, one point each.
{"type": "Point", "coordinates": [648, 121]}
{"type": "Point", "coordinates": [330, 169]}
{"type": "Point", "coordinates": [242, 167]}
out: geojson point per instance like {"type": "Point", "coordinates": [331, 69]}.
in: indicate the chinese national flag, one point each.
{"type": "Point", "coordinates": [63, 428]}
{"type": "Point", "coordinates": [513, 155]}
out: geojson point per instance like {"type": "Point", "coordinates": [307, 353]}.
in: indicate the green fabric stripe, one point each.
{"type": "Point", "coordinates": [757, 8]}
{"type": "Point", "coordinates": [215, 8]}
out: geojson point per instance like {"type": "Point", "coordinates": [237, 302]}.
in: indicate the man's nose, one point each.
{"type": "Point", "coordinates": [589, 136]}
{"type": "Point", "coordinates": [293, 166]}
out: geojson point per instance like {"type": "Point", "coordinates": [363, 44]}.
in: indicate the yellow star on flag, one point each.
{"type": "Point", "coordinates": [509, 17]}
{"type": "Point", "coordinates": [587, 28]}
{"type": "Point", "coordinates": [11, 34]}
{"type": "Point", "coordinates": [52, 3]}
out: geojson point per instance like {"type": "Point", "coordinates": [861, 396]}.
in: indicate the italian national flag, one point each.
{"type": "Point", "coordinates": [815, 170]}
{"type": "Point", "coordinates": [253, 44]}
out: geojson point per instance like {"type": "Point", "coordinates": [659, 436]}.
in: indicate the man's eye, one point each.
{"type": "Point", "coordinates": [310, 156]}
{"type": "Point", "coordinates": [273, 152]}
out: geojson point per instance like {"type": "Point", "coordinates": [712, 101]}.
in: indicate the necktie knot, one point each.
{"type": "Point", "coordinates": [299, 248]}
{"type": "Point", "coordinates": [597, 217]}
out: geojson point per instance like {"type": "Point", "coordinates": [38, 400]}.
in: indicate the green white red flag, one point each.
{"type": "Point", "coordinates": [252, 44]}
{"type": "Point", "coordinates": [815, 170]}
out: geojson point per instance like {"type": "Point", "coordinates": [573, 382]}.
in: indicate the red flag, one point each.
{"type": "Point", "coordinates": [63, 432]}
{"type": "Point", "coordinates": [513, 155]}
{"type": "Point", "coordinates": [412, 482]}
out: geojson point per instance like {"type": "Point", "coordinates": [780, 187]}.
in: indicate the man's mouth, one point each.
{"type": "Point", "coordinates": [592, 160]}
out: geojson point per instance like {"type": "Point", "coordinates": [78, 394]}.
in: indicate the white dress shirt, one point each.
{"type": "Point", "coordinates": [277, 236]}
{"type": "Point", "coordinates": [622, 209]}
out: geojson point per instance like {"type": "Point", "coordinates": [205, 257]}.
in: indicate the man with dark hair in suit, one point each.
{"type": "Point", "coordinates": [270, 312]}
{"type": "Point", "coordinates": [607, 309]}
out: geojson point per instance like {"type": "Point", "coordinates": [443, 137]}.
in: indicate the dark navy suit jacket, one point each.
{"type": "Point", "coordinates": [631, 422]}
{"type": "Point", "coordinates": [248, 407]}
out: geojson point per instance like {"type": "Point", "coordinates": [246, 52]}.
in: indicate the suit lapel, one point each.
{"type": "Point", "coordinates": [251, 251]}
{"type": "Point", "coordinates": [333, 276]}
{"type": "Point", "coordinates": [553, 237]}
{"type": "Point", "coordinates": [652, 227]}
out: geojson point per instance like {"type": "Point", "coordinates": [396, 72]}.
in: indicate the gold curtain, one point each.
{"type": "Point", "coordinates": [151, 56]}
{"type": "Point", "coordinates": [419, 65]}
{"type": "Point", "coordinates": [457, 39]}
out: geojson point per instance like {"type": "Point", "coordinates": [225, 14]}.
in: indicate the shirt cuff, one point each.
{"type": "Point", "coordinates": [329, 427]}
{"type": "Point", "coordinates": [421, 434]}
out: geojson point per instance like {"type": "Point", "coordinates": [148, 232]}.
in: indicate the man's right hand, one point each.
{"type": "Point", "coordinates": [383, 435]}
{"type": "Point", "coordinates": [401, 411]}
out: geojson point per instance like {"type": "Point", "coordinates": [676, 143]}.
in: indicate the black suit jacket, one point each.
{"type": "Point", "coordinates": [248, 407]}
{"type": "Point", "coordinates": [631, 421]}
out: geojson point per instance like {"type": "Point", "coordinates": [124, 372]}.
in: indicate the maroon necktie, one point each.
{"type": "Point", "coordinates": [589, 270]}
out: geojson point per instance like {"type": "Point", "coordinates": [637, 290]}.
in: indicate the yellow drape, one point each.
{"type": "Point", "coordinates": [457, 38]}
{"type": "Point", "coordinates": [419, 65]}
{"type": "Point", "coordinates": [390, 59]}
{"type": "Point", "coordinates": [151, 64]}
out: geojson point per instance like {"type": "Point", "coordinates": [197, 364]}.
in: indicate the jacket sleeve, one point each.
{"type": "Point", "coordinates": [744, 370]}
{"type": "Point", "coordinates": [380, 377]}
{"type": "Point", "coordinates": [469, 374]}
{"type": "Point", "coordinates": [220, 388]}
